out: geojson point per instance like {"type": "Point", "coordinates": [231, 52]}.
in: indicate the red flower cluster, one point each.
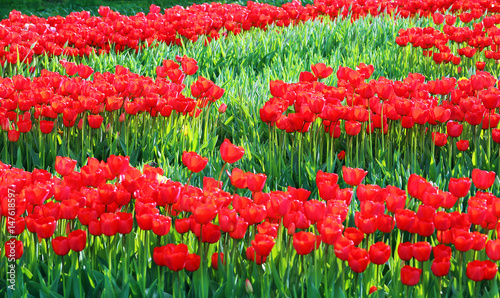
{"type": "Point", "coordinates": [375, 104]}
{"type": "Point", "coordinates": [53, 100]}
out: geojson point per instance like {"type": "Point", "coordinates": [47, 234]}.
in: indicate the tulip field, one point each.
{"type": "Point", "coordinates": [337, 148]}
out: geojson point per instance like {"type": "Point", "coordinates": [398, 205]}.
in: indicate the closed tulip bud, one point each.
{"type": "Point", "coordinates": [248, 287]}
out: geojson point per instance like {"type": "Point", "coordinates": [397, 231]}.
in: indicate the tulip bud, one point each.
{"type": "Point", "coordinates": [222, 108]}
{"type": "Point", "coordinates": [341, 155]}
{"type": "Point", "coordinates": [122, 117]}
{"type": "Point", "coordinates": [248, 287]}
{"type": "Point", "coordinates": [108, 127]}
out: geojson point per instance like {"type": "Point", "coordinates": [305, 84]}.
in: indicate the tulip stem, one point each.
{"type": "Point", "coordinates": [220, 174]}
{"type": "Point", "coordinates": [490, 165]}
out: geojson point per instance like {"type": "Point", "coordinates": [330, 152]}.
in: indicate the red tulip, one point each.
{"type": "Point", "coordinates": [46, 127]}
{"type": "Point", "coordinates": [194, 162]}
{"type": "Point", "coordinates": [14, 249]}
{"type": "Point", "coordinates": [256, 182]}
{"type": "Point", "coordinates": [263, 244]}
{"type": "Point", "coordinates": [493, 249]}
{"type": "Point", "coordinates": [459, 187]}
{"type": "Point", "coordinates": [410, 276]}
{"type": "Point", "coordinates": [95, 121]}
{"type": "Point", "coordinates": [321, 71]}
{"type": "Point", "coordinates": [13, 135]}
{"type": "Point", "coordinates": [441, 266]}
{"type": "Point", "coordinates": [216, 257]}
{"type": "Point", "coordinates": [483, 179]}
{"type": "Point", "coordinates": [192, 262]}
{"type": "Point", "coordinates": [379, 253]}
{"type": "Point", "coordinates": [440, 139]}
{"type": "Point", "coordinates": [314, 210]}
{"type": "Point", "coordinates": [352, 176]}
{"type": "Point", "coordinates": [352, 128]}
{"type": "Point", "coordinates": [355, 235]}
{"type": "Point", "coordinates": [45, 227]}
{"type": "Point", "coordinates": [252, 256]}
{"type": "Point", "coordinates": [231, 153]}
{"type": "Point", "coordinates": [64, 165]}
{"type": "Point", "coordinates": [422, 251]}
{"type": "Point", "coordinates": [85, 71]}
{"type": "Point", "coordinates": [343, 247]}
{"type": "Point", "coordinates": [60, 245]}
{"type": "Point", "coordinates": [454, 129]}
{"type": "Point", "coordinates": [77, 240]}
{"type": "Point", "coordinates": [358, 260]}
{"type": "Point", "coordinates": [405, 251]}
{"type": "Point", "coordinates": [175, 256]}
{"type": "Point", "coordinates": [303, 242]}
{"type": "Point", "coordinates": [462, 145]}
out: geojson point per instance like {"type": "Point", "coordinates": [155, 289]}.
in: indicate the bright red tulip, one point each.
{"type": "Point", "coordinates": [60, 245]}
{"type": "Point", "coordinates": [231, 153]}
{"type": "Point", "coordinates": [303, 242]}
{"type": "Point", "coordinates": [483, 179]}
{"type": "Point", "coordinates": [379, 253]}
{"type": "Point", "coordinates": [353, 177]}
{"type": "Point", "coordinates": [194, 162]}
{"type": "Point", "coordinates": [410, 276]}
{"type": "Point", "coordinates": [358, 260]}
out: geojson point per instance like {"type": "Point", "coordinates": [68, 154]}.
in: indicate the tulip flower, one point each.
{"type": "Point", "coordinates": [353, 177]}
{"type": "Point", "coordinates": [194, 162]}
{"type": "Point", "coordinates": [192, 262]}
{"type": "Point", "coordinates": [303, 242]}
{"type": "Point", "coordinates": [215, 260]}
{"type": "Point", "coordinates": [77, 240]}
{"type": "Point", "coordinates": [60, 245]}
{"type": "Point", "coordinates": [462, 145]}
{"type": "Point", "coordinates": [459, 187]}
{"type": "Point", "coordinates": [263, 244]}
{"type": "Point", "coordinates": [379, 253]}
{"type": "Point", "coordinates": [483, 179]}
{"type": "Point", "coordinates": [231, 153]}
{"type": "Point", "coordinates": [358, 260]}
{"type": "Point", "coordinates": [410, 276]}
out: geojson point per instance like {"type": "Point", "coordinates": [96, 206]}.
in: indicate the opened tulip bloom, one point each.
{"type": "Point", "coordinates": [303, 242]}
{"type": "Point", "coordinates": [483, 179]}
{"type": "Point", "coordinates": [194, 162]}
{"type": "Point", "coordinates": [352, 176]}
{"type": "Point", "coordinates": [231, 153]}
